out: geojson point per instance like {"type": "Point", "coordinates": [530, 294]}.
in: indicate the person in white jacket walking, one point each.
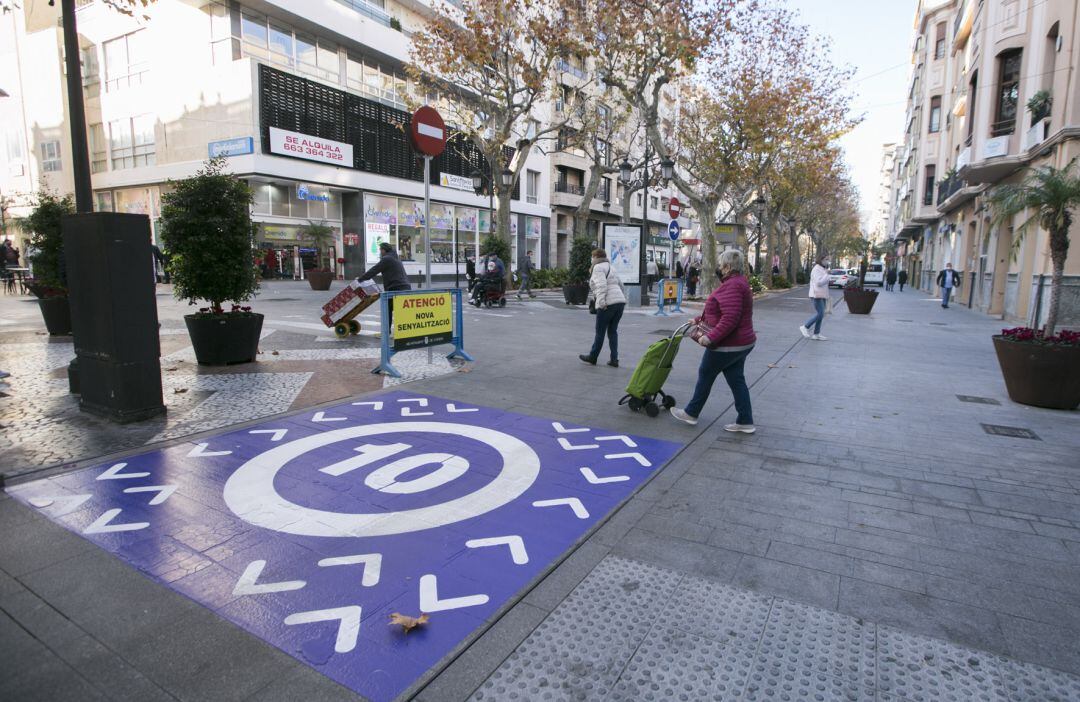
{"type": "Point", "coordinates": [609, 299]}
{"type": "Point", "coordinates": [819, 294]}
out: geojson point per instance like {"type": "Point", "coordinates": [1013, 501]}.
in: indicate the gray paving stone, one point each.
{"type": "Point", "coordinates": [810, 558]}
{"type": "Point", "coordinates": [1048, 644]}
{"type": "Point", "coordinates": [38, 544]}
{"type": "Point", "coordinates": [1024, 681]}
{"type": "Point", "coordinates": [921, 668]}
{"type": "Point", "coordinates": [732, 617]}
{"type": "Point", "coordinates": [678, 554]}
{"type": "Point", "coordinates": [303, 683]}
{"type": "Point", "coordinates": [772, 577]}
{"type": "Point", "coordinates": [559, 583]}
{"type": "Point", "coordinates": [48, 679]}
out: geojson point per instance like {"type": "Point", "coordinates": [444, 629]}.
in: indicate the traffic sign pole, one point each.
{"type": "Point", "coordinates": [427, 222]}
{"type": "Point", "coordinates": [428, 133]}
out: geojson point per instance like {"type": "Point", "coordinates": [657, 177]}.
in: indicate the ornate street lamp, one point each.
{"type": "Point", "coordinates": [624, 172]}
{"type": "Point", "coordinates": [477, 181]}
{"type": "Point", "coordinates": [759, 211]}
{"type": "Point", "coordinates": [507, 178]}
{"type": "Point", "coordinates": [667, 168]}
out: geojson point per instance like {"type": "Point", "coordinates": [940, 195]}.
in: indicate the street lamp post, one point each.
{"type": "Point", "coordinates": [759, 211]}
{"type": "Point", "coordinates": [624, 176]}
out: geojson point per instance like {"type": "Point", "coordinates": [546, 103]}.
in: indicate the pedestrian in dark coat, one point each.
{"type": "Point", "coordinates": [890, 279]}
{"type": "Point", "coordinates": [390, 268]}
{"type": "Point", "coordinates": [901, 277]}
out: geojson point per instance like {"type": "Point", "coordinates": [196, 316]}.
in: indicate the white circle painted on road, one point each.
{"type": "Point", "coordinates": [250, 493]}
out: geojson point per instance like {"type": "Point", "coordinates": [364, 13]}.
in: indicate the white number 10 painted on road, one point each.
{"type": "Point", "coordinates": [385, 479]}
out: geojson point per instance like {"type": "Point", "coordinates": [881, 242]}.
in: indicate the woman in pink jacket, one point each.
{"type": "Point", "coordinates": [729, 312]}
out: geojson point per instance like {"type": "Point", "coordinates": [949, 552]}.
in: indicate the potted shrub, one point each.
{"type": "Point", "coordinates": [1039, 367]}
{"type": "Point", "coordinates": [206, 225]}
{"type": "Point", "coordinates": [1039, 106]}
{"type": "Point", "coordinates": [319, 234]}
{"type": "Point", "coordinates": [859, 300]}
{"type": "Point", "coordinates": [576, 287]}
{"type": "Point", "coordinates": [48, 244]}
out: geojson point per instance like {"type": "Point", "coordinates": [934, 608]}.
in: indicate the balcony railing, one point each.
{"type": "Point", "coordinates": [368, 10]}
{"type": "Point", "coordinates": [1003, 128]}
{"type": "Point", "coordinates": [569, 188]}
{"type": "Point", "coordinates": [564, 65]}
{"type": "Point", "coordinates": [949, 187]}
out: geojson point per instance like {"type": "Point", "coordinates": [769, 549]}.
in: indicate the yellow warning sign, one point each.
{"type": "Point", "coordinates": [671, 290]}
{"type": "Point", "coordinates": [422, 319]}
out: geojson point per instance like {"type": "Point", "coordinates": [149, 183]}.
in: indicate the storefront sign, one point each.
{"type": "Point", "coordinates": [448, 180]}
{"type": "Point", "coordinates": [280, 232]}
{"type": "Point", "coordinates": [410, 213]}
{"type": "Point", "coordinates": [423, 319]}
{"type": "Point", "coordinates": [377, 233]}
{"type": "Point", "coordinates": [304, 192]}
{"type": "Point", "coordinates": [309, 147]}
{"type": "Point", "coordinates": [351, 239]}
{"type": "Point", "coordinates": [623, 246]}
{"type": "Point", "coordinates": [231, 147]}
{"type": "Point", "coordinates": [380, 209]}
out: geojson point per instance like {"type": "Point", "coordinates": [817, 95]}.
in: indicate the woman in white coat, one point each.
{"type": "Point", "coordinates": [819, 294]}
{"type": "Point", "coordinates": [609, 298]}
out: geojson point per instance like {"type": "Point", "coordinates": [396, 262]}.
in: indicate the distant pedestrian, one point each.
{"type": "Point", "coordinates": [679, 270]}
{"type": "Point", "coordinates": [901, 277]}
{"type": "Point", "coordinates": [819, 294]}
{"type": "Point", "coordinates": [609, 300]}
{"type": "Point", "coordinates": [390, 268]}
{"type": "Point", "coordinates": [652, 271]}
{"type": "Point", "coordinates": [890, 279]}
{"type": "Point", "coordinates": [730, 338]}
{"type": "Point", "coordinates": [470, 271]}
{"type": "Point", "coordinates": [525, 269]}
{"type": "Point", "coordinates": [693, 275]}
{"type": "Point", "coordinates": [947, 280]}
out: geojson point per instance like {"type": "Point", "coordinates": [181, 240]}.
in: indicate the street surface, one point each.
{"type": "Point", "coordinates": [873, 539]}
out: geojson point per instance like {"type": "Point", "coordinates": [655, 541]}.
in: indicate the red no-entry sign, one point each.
{"type": "Point", "coordinates": [674, 208]}
{"type": "Point", "coordinates": [428, 131]}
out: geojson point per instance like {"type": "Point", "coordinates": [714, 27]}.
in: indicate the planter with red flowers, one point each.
{"type": "Point", "coordinates": [206, 225]}
{"type": "Point", "coordinates": [1039, 370]}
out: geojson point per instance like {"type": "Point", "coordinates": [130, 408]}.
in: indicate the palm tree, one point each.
{"type": "Point", "coordinates": [1049, 193]}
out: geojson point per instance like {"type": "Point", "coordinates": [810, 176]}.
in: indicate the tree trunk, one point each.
{"type": "Point", "coordinates": [582, 212]}
{"type": "Point", "coordinates": [502, 227]}
{"type": "Point", "coordinates": [1059, 250]}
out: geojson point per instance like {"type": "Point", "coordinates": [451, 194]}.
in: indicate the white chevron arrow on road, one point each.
{"type": "Point", "coordinates": [321, 417]}
{"type": "Point", "coordinates": [113, 473]}
{"type": "Point", "coordinates": [430, 602]}
{"type": "Point", "coordinates": [248, 585]}
{"type": "Point", "coordinates": [451, 407]}
{"type": "Point", "coordinates": [636, 456]}
{"type": "Point", "coordinates": [563, 430]}
{"type": "Point", "coordinates": [104, 525]}
{"type": "Point", "coordinates": [163, 492]}
{"type": "Point", "coordinates": [372, 563]}
{"type": "Point", "coordinates": [408, 412]}
{"type": "Point", "coordinates": [374, 405]}
{"type": "Point", "coordinates": [596, 480]}
{"type": "Point", "coordinates": [514, 542]}
{"type": "Point", "coordinates": [348, 628]}
{"type": "Point", "coordinates": [571, 502]}
{"type": "Point", "coordinates": [278, 434]}
{"type": "Point", "coordinates": [571, 447]}
{"type": "Point", "coordinates": [621, 437]}
{"type": "Point", "coordinates": [201, 450]}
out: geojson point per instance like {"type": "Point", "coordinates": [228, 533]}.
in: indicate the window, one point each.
{"type": "Point", "coordinates": [532, 186]}
{"type": "Point", "coordinates": [1008, 93]}
{"type": "Point", "coordinates": [281, 46]}
{"type": "Point", "coordinates": [132, 142]}
{"type": "Point", "coordinates": [639, 199]}
{"type": "Point", "coordinates": [928, 191]}
{"type": "Point", "coordinates": [223, 46]}
{"type": "Point", "coordinates": [50, 156]}
{"type": "Point", "coordinates": [254, 34]}
{"type": "Point", "coordinates": [972, 95]}
{"type": "Point", "coordinates": [98, 148]}
{"type": "Point", "coordinates": [125, 61]}
{"type": "Point", "coordinates": [654, 203]}
{"type": "Point", "coordinates": [91, 71]}
{"type": "Point", "coordinates": [603, 152]}
{"type": "Point", "coordinates": [935, 114]}
{"type": "Point", "coordinates": [939, 42]}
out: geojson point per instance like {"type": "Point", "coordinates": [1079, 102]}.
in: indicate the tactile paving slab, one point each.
{"type": "Point", "coordinates": [659, 635]}
{"type": "Point", "coordinates": [308, 531]}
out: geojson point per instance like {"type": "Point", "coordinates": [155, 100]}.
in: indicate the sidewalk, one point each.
{"type": "Point", "coordinates": [870, 540]}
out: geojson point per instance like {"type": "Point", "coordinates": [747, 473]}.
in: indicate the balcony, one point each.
{"type": "Point", "coordinates": [569, 188]}
{"type": "Point", "coordinates": [368, 10]}
{"type": "Point", "coordinates": [948, 187]}
{"type": "Point", "coordinates": [1037, 134]}
{"type": "Point", "coordinates": [1003, 128]}
{"type": "Point", "coordinates": [565, 66]}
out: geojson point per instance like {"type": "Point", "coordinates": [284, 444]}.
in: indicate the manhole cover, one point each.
{"type": "Point", "coordinates": [978, 400]}
{"type": "Point", "coordinates": [1014, 432]}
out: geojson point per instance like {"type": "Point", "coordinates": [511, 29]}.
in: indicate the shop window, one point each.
{"type": "Point", "coordinates": [50, 156]}
{"type": "Point", "coordinates": [103, 201]}
{"type": "Point", "coordinates": [279, 200]}
{"type": "Point", "coordinates": [299, 208]}
{"type": "Point", "coordinates": [261, 198]}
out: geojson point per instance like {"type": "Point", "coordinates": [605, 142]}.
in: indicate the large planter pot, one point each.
{"type": "Point", "coordinates": [319, 280]}
{"type": "Point", "coordinates": [57, 314]}
{"type": "Point", "coordinates": [576, 294]}
{"type": "Point", "coordinates": [860, 301]}
{"type": "Point", "coordinates": [1040, 375]}
{"type": "Point", "coordinates": [225, 339]}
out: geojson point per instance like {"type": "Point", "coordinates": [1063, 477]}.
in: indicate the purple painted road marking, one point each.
{"type": "Point", "coordinates": [310, 531]}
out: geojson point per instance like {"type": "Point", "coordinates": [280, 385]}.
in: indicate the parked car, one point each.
{"type": "Point", "coordinates": [838, 277]}
{"type": "Point", "coordinates": [875, 274]}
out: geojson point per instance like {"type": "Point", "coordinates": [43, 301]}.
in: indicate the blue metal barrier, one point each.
{"type": "Point", "coordinates": [661, 302]}
{"type": "Point", "coordinates": [458, 339]}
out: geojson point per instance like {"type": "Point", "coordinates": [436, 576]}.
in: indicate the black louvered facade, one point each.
{"type": "Point", "coordinates": [378, 133]}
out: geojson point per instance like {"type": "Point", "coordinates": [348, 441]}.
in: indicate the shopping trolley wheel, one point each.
{"type": "Point", "coordinates": [354, 326]}
{"type": "Point", "coordinates": [635, 404]}
{"type": "Point", "coordinates": [651, 409]}
{"type": "Point", "coordinates": [341, 330]}
{"type": "Point", "coordinates": [669, 402]}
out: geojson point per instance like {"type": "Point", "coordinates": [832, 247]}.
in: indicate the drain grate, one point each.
{"type": "Point", "coordinates": [905, 320]}
{"type": "Point", "coordinates": [1014, 432]}
{"type": "Point", "coordinates": [978, 400]}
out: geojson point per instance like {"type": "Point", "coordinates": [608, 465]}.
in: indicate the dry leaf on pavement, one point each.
{"type": "Point", "coordinates": [274, 353]}
{"type": "Point", "coordinates": [177, 391]}
{"type": "Point", "coordinates": [408, 623]}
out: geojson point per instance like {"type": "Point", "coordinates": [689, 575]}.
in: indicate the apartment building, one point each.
{"type": "Point", "coordinates": [977, 64]}
{"type": "Point", "coordinates": [881, 225]}
{"type": "Point", "coordinates": [180, 81]}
